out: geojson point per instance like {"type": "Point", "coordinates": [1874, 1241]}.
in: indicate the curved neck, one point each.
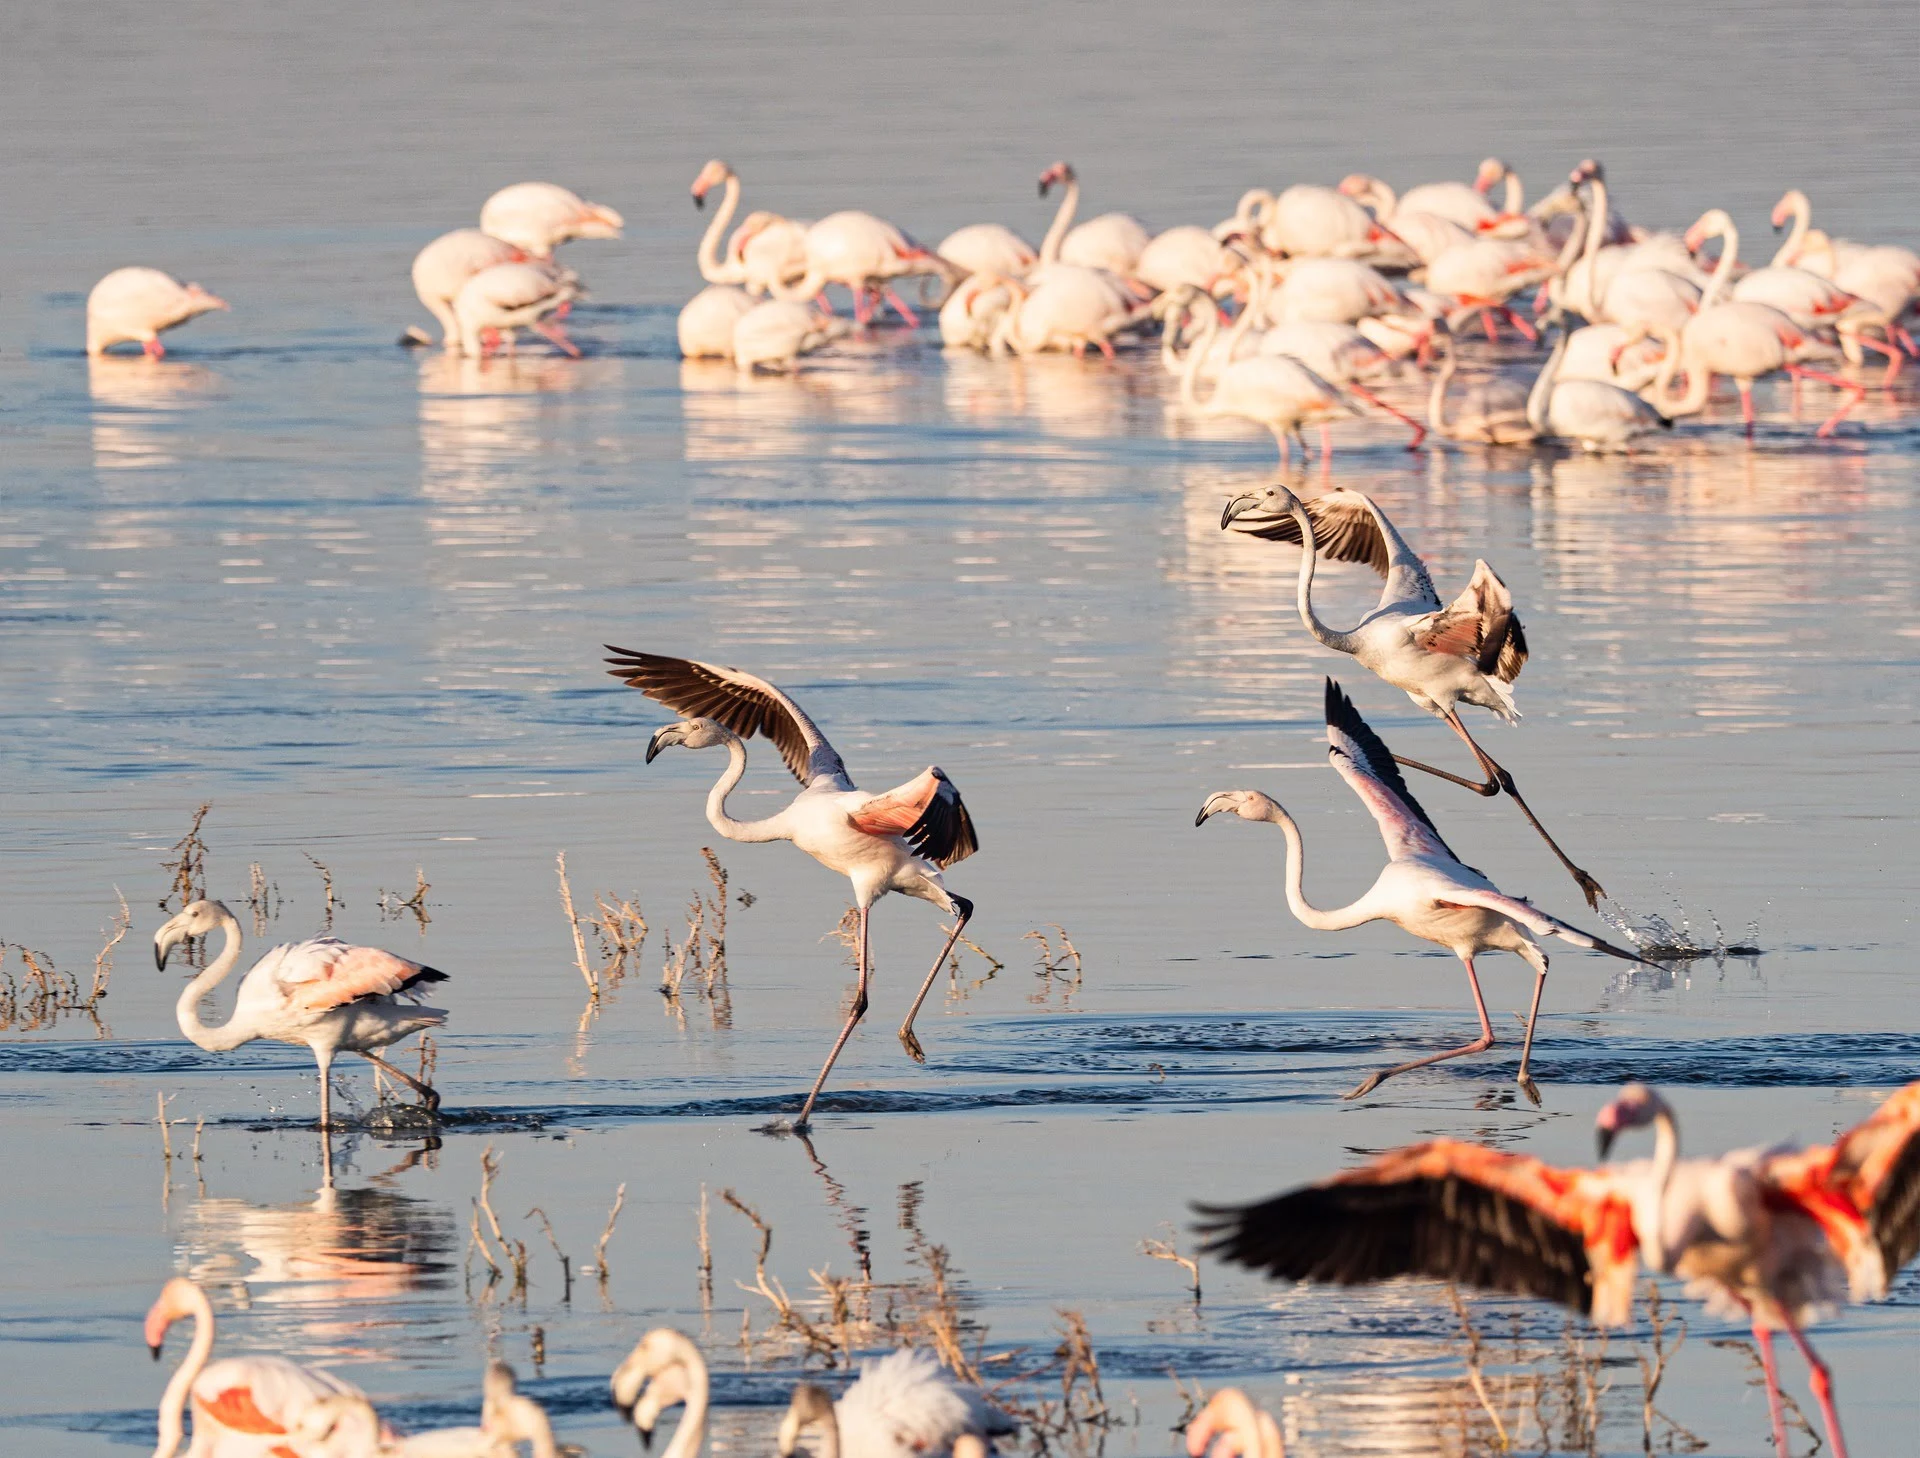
{"type": "Point", "coordinates": [173, 1401]}
{"type": "Point", "coordinates": [1252, 205]}
{"type": "Point", "coordinates": [1062, 220]}
{"type": "Point", "coordinates": [1576, 238]}
{"type": "Point", "coordinates": [1698, 381]}
{"type": "Point", "coordinates": [711, 267]}
{"type": "Point", "coordinates": [1666, 1154]}
{"type": "Point", "coordinates": [1789, 251]}
{"type": "Point", "coordinates": [1541, 395]}
{"type": "Point", "coordinates": [1197, 352]}
{"type": "Point", "coordinates": [829, 1429]}
{"type": "Point", "coordinates": [1717, 285]}
{"type": "Point", "coordinates": [1378, 196]}
{"type": "Point", "coordinates": [1437, 400]}
{"type": "Point", "coordinates": [717, 817]}
{"type": "Point", "coordinates": [692, 1430]}
{"type": "Point", "coordinates": [1303, 596]}
{"type": "Point", "coordinates": [1596, 235]}
{"type": "Point", "coordinates": [1516, 202]}
{"type": "Point", "coordinates": [1308, 915]}
{"type": "Point", "coordinates": [187, 1010]}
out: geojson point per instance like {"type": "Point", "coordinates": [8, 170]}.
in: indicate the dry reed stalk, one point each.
{"type": "Point", "coordinates": [326, 885]}
{"type": "Point", "coordinates": [1475, 1379]}
{"type": "Point", "coordinates": [189, 864]}
{"type": "Point", "coordinates": [514, 1250]}
{"type": "Point", "coordinates": [566, 1264]}
{"type": "Point", "coordinates": [706, 1256]}
{"type": "Point", "coordinates": [1168, 1250]}
{"type": "Point", "coordinates": [103, 959]}
{"type": "Point", "coordinates": [573, 925]}
{"type": "Point", "coordinates": [600, 1248]}
{"type": "Point", "coordinates": [262, 898]}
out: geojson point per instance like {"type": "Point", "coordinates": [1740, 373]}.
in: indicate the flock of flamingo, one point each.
{"type": "Point", "coordinates": [1331, 290]}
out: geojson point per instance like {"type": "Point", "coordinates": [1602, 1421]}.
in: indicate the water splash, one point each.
{"type": "Point", "coordinates": [1659, 939]}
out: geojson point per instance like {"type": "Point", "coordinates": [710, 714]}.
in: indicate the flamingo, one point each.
{"type": "Point", "coordinates": [706, 324]}
{"type": "Point", "coordinates": [1070, 307]}
{"type": "Point", "coordinates": [1640, 285]}
{"type": "Point", "coordinates": [902, 1405]}
{"type": "Point", "coordinates": [1341, 355]}
{"type": "Point", "coordinates": [1493, 413]}
{"type": "Point", "coordinates": [1612, 354]}
{"type": "Point", "coordinates": [1426, 234]}
{"type": "Point", "coordinates": [132, 306]}
{"type": "Point", "coordinates": [1600, 416]}
{"type": "Point", "coordinates": [448, 262]}
{"type": "Point", "coordinates": [897, 841]}
{"type": "Point", "coordinates": [859, 252]}
{"type": "Point", "coordinates": [1333, 290]}
{"type": "Point", "coordinates": [665, 1369]}
{"type": "Point", "coordinates": [1886, 275]}
{"type": "Point", "coordinates": [1276, 391]}
{"type": "Point", "coordinates": [1112, 242]}
{"type": "Point", "coordinates": [1230, 1426]}
{"type": "Point", "coordinates": [765, 249]}
{"type": "Point", "coordinates": [322, 993]}
{"type": "Point", "coordinates": [539, 216]}
{"type": "Point", "coordinates": [1776, 1235]}
{"type": "Point", "coordinates": [1185, 255]}
{"type": "Point", "coordinates": [1425, 889]}
{"type": "Point", "coordinates": [241, 1405]}
{"type": "Point", "coordinates": [776, 332]}
{"type": "Point", "coordinates": [989, 248]}
{"type": "Point", "coordinates": [1439, 656]}
{"type": "Point", "coordinates": [973, 311]}
{"type": "Point", "coordinates": [348, 1427]}
{"type": "Point", "coordinates": [510, 296]}
{"type": "Point", "coordinates": [1310, 221]}
{"type": "Point", "coordinates": [1482, 274]}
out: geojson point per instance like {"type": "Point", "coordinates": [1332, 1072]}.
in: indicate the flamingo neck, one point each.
{"type": "Point", "coordinates": [1540, 397]}
{"type": "Point", "coordinates": [717, 817]}
{"type": "Point", "coordinates": [173, 1401]}
{"type": "Point", "coordinates": [1597, 215]}
{"type": "Point", "coordinates": [1789, 252]}
{"type": "Point", "coordinates": [1062, 221]}
{"type": "Point", "coordinates": [1307, 914]}
{"type": "Point", "coordinates": [1197, 352]}
{"type": "Point", "coordinates": [1717, 285]}
{"type": "Point", "coordinates": [1516, 199]}
{"type": "Point", "coordinates": [1437, 398]}
{"type": "Point", "coordinates": [1699, 381]}
{"type": "Point", "coordinates": [1666, 1154]}
{"type": "Point", "coordinates": [691, 1433]}
{"type": "Point", "coordinates": [712, 269]}
{"type": "Point", "coordinates": [1303, 597]}
{"type": "Point", "coordinates": [187, 1010]}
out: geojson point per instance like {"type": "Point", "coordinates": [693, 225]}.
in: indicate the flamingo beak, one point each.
{"type": "Point", "coordinates": [662, 737]}
{"type": "Point", "coordinates": [1603, 1140]}
{"type": "Point", "coordinates": [154, 1347]}
{"type": "Point", "coordinates": [700, 200]}
{"type": "Point", "coordinates": [1238, 507]}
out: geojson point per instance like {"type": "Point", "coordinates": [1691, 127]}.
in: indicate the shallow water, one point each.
{"type": "Point", "coordinates": [354, 598]}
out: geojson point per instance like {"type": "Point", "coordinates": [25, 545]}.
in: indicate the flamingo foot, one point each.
{"type": "Point", "coordinates": [558, 337]}
{"type": "Point", "coordinates": [1527, 331]}
{"type": "Point", "coordinates": [907, 316]}
{"type": "Point", "coordinates": [154, 349]}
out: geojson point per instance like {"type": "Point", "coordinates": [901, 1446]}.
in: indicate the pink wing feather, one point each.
{"type": "Point", "coordinates": [325, 974]}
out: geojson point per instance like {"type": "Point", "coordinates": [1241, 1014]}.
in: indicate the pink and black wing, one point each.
{"type": "Point", "coordinates": [1368, 767]}
{"type": "Point", "coordinates": [1877, 1164]}
{"type": "Point", "coordinates": [326, 973]}
{"type": "Point", "coordinates": [746, 704]}
{"type": "Point", "coordinates": [1479, 626]}
{"type": "Point", "coordinates": [928, 813]}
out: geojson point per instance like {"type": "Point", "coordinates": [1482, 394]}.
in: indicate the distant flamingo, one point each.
{"type": "Point", "coordinates": [1185, 255]}
{"type": "Point", "coordinates": [321, 994]}
{"type": "Point", "coordinates": [1775, 1235]}
{"type": "Point", "coordinates": [860, 253]}
{"type": "Point", "coordinates": [1310, 221]}
{"type": "Point", "coordinates": [539, 216]}
{"type": "Point", "coordinates": [1276, 391]}
{"type": "Point", "coordinates": [1332, 290]}
{"type": "Point", "coordinates": [766, 248]}
{"type": "Point", "coordinates": [349, 1427]}
{"type": "Point", "coordinates": [498, 301]}
{"type": "Point", "coordinates": [1230, 1426]}
{"type": "Point", "coordinates": [1069, 308]}
{"type": "Point", "coordinates": [1112, 242]}
{"type": "Point", "coordinates": [989, 248]}
{"type": "Point", "coordinates": [444, 265]}
{"type": "Point", "coordinates": [897, 841]}
{"type": "Point", "coordinates": [240, 1404]}
{"type": "Point", "coordinates": [974, 310]}
{"type": "Point", "coordinates": [903, 1405]}
{"type": "Point", "coordinates": [1440, 656]}
{"type": "Point", "coordinates": [1493, 412]}
{"type": "Point", "coordinates": [133, 305]}
{"type": "Point", "coordinates": [1425, 889]}
{"type": "Point", "coordinates": [706, 322]}
{"type": "Point", "coordinates": [1597, 415]}
{"type": "Point", "coordinates": [775, 333]}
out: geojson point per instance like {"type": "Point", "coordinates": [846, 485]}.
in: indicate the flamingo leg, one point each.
{"type": "Point", "coordinates": [428, 1095]}
{"type": "Point", "coordinates": [1524, 1078]}
{"type": "Point", "coordinates": [325, 1060]}
{"type": "Point", "coordinates": [154, 348]}
{"type": "Point", "coordinates": [964, 908]}
{"type": "Point", "coordinates": [1497, 780]}
{"type": "Point", "coordinates": [1419, 430]}
{"type": "Point", "coordinates": [1822, 1383]}
{"type": "Point", "coordinates": [911, 319]}
{"type": "Point", "coordinates": [548, 330]}
{"type": "Point", "coordinates": [860, 313]}
{"type": "Point", "coordinates": [1326, 440]}
{"type": "Point", "coordinates": [1746, 406]}
{"type": "Point", "coordinates": [1855, 394]}
{"type": "Point", "coordinates": [1478, 1045]}
{"type": "Point", "coordinates": [858, 1011]}
{"type": "Point", "coordinates": [1891, 351]}
{"type": "Point", "coordinates": [1286, 447]}
{"type": "Point", "coordinates": [1527, 331]}
{"type": "Point", "coordinates": [1763, 1339]}
{"type": "Point", "coordinates": [1106, 346]}
{"type": "Point", "coordinates": [1486, 323]}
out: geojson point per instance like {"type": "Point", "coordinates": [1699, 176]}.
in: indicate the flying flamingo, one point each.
{"type": "Point", "coordinates": [539, 216]}
{"type": "Point", "coordinates": [510, 296]}
{"type": "Point", "coordinates": [1425, 890]}
{"type": "Point", "coordinates": [322, 993]}
{"type": "Point", "coordinates": [897, 841]}
{"type": "Point", "coordinates": [132, 305]}
{"type": "Point", "coordinates": [1775, 1235]}
{"type": "Point", "coordinates": [240, 1404]}
{"type": "Point", "coordinates": [1598, 415]}
{"type": "Point", "coordinates": [902, 1405]}
{"type": "Point", "coordinates": [445, 264]}
{"type": "Point", "coordinates": [1439, 656]}
{"type": "Point", "coordinates": [348, 1427]}
{"type": "Point", "coordinates": [1230, 1426]}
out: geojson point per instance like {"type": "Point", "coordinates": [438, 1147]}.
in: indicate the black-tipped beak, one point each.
{"type": "Point", "coordinates": [646, 1437]}
{"type": "Point", "coordinates": [653, 748]}
{"type": "Point", "coordinates": [1238, 507]}
{"type": "Point", "coordinates": [160, 961]}
{"type": "Point", "coordinates": [156, 1352]}
{"type": "Point", "coordinates": [700, 201]}
{"type": "Point", "coordinates": [1201, 818]}
{"type": "Point", "coordinates": [1603, 1141]}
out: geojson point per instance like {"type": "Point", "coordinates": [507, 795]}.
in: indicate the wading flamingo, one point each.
{"type": "Point", "coordinates": [1492, 412]}
{"type": "Point", "coordinates": [444, 265]}
{"type": "Point", "coordinates": [349, 1427]}
{"type": "Point", "coordinates": [1425, 890]}
{"type": "Point", "coordinates": [132, 306]}
{"type": "Point", "coordinates": [1111, 243]}
{"type": "Point", "coordinates": [706, 323]}
{"type": "Point", "coordinates": [989, 248]}
{"type": "Point", "coordinates": [1777, 1236]}
{"type": "Point", "coordinates": [776, 332]}
{"type": "Point", "coordinates": [1887, 276]}
{"type": "Point", "coordinates": [765, 249]}
{"type": "Point", "coordinates": [861, 253]}
{"type": "Point", "coordinates": [902, 1405]}
{"type": "Point", "coordinates": [1311, 221]}
{"type": "Point", "coordinates": [321, 994]}
{"type": "Point", "coordinates": [539, 216]}
{"type": "Point", "coordinates": [1597, 415]}
{"type": "Point", "coordinates": [1439, 656]}
{"type": "Point", "coordinates": [499, 301]}
{"type": "Point", "coordinates": [897, 841]}
{"type": "Point", "coordinates": [240, 1404]}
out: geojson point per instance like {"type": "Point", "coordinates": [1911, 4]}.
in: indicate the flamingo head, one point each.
{"type": "Point", "coordinates": [596, 220]}
{"type": "Point", "coordinates": [810, 1406]}
{"type": "Point", "coordinates": [1711, 224]}
{"type": "Point", "coordinates": [1491, 172]}
{"type": "Point", "coordinates": [666, 1389]}
{"type": "Point", "coordinates": [1354, 184]}
{"type": "Point", "coordinates": [1227, 1427]}
{"type": "Point", "coordinates": [498, 1389]}
{"type": "Point", "coordinates": [203, 302]}
{"type": "Point", "coordinates": [662, 1350]}
{"type": "Point", "coordinates": [178, 1298]}
{"type": "Point", "coordinates": [196, 920]}
{"type": "Point", "coordinates": [711, 176]}
{"type": "Point", "coordinates": [694, 734]}
{"type": "Point", "coordinates": [1783, 211]}
{"type": "Point", "coordinates": [1061, 172]}
{"type": "Point", "coordinates": [338, 1423]}
{"type": "Point", "coordinates": [1588, 171]}
{"type": "Point", "coordinates": [1247, 804]}
{"type": "Point", "coordinates": [1634, 1107]}
{"type": "Point", "coordinates": [1258, 512]}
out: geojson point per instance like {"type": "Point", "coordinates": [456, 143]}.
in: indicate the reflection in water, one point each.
{"type": "Point", "coordinates": [138, 404]}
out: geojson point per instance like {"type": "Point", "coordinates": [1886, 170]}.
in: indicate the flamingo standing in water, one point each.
{"type": "Point", "coordinates": [861, 253]}
{"type": "Point", "coordinates": [902, 1405]}
{"type": "Point", "coordinates": [1493, 412]}
{"type": "Point", "coordinates": [1439, 656]}
{"type": "Point", "coordinates": [241, 1405]}
{"type": "Point", "coordinates": [1111, 243]}
{"type": "Point", "coordinates": [897, 841]}
{"type": "Point", "coordinates": [132, 306]}
{"type": "Point", "coordinates": [321, 994]}
{"type": "Point", "coordinates": [1600, 416]}
{"type": "Point", "coordinates": [539, 216]}
{"type": "Point", "coordinates": [1276, 391]}
{"type": "Point", "coordinates": [443, 267]}
{"type": "Point", "coordinates": [501, 300]}
{"type": "Point", "coordinates": [774, 334]}
{"type": "Point", "coordinates": [766, 248]}
{"type": "Point", "coordinates": [1425, 889]}
{"type": "Point", "coordinates": [1778, 1236]}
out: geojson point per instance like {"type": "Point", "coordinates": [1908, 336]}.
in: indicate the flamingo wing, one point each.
{"type": "Point", "coordinates": [1367, 765]}
{"type": "Point", "coordinates": [262, 1396]}
{"type": "Point", "coordinates": [1877, 1165]}
{"type": "Point", "coordinates": [1447, 1210]}
{"type": "Point", "coordinates": [1536, 921]}
{"type": "Point", "coordinates": [745, 704]}
{"type": "Point", "coordinates": [1479, 626]}
{"type": "Point", "coordinates": [325, 973]}
{"type": "Point", "coordinates": [1343, 528]}
{"type": "Point", "coordinates": [928, 812]}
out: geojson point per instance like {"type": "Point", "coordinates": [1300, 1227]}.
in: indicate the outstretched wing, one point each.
{"type": "Point", "coordinates": [745, 704]}
{"type": "Point", "coordinates": [1877, 1164]}
{"type": "Point", "coordinates": [928, 812]}
{"type": "Point", "coordinates": [1367, 766]}
{"type": "Point", "coordinates": [1347, 527]}
{"type": "Point", "coordinates": [1538, 922]}
{"type": "Point", "coordinates": [1478, 626]}
{"type": "Point", "coordinates": [1447, 1210]}
{"type": "Point", "coordinates": [319, 975]}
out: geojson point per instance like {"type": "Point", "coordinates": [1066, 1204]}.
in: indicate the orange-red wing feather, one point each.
{"type": "Point", "coordinates": [1448, 1210]}
{"type": "Point", "coordinates": [234, 1409]}
{"type": "Point", "coordinates": [1479, 626]}
{"type": "Point", "coordinates": [324, 975]}
{"type": "Point", "coordinates": [928, 812]}
{"type": "Point", "coordinates": [1876, 1165]}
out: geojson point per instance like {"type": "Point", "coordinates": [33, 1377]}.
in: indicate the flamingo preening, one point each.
{"type": "Point", "coordinates": [897, 841]}
{"type": "Point", "coordinates": [539, 216]}
{"type": "Point", "coordinates": [344, 1426]}
{"type": "Point", "coordinates": [1778, 1236]}
{"type": "Point", "coordinates": [1425, 889]}
{"type": "Point", "coordinates": [323, 994]}
{"type": "Point", "coordinates": [132, 305]}
{"type": "Point", "coordinates": [1440, 656]}
{"type": "Point", "coordinates": [442, 268]}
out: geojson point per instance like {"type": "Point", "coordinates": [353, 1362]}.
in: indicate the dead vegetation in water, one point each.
{"type": "Point", "coordinates": [506, 1256]}
{"type": "Point", "coordinates": [1060, 969]}
{"type": "Point", "coordinates": [393, 905]}
{"type": "Point", "coordinates": [188, 867]}
{"type": "Point", "coordinates": [699, 964]}
{"type": "Point", "coordinates": [40, 994]}
{"type": "Point", "coordinates": [619, 931]}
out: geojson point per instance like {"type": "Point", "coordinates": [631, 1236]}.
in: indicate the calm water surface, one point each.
{"type": "Point", "coordinates": [354, 598]}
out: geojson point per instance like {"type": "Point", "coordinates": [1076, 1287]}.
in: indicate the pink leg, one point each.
{"type": "Point", "coordinates": [1763, 1339]}
{"type": "Point", "coordinates": [1326, 441]}
{"type": "Point", "coordinates": [1486, 323]}
{"type": "Point", "coordinates": [1891, 351]}
{"type": "Point", "coordinates": [963, 909]}
{"type": "Point", "coordinates": [823, 303]}
{"type": "Point", "coordinates": [154, 348]}
{"type": "Point", "coordinates": [858, 1012]}
{"type": "Point", "coordinates": [1855, 394]}
{"type": "Point", "coordinates": [1106, 346]}
{"type": "Point", "coordinates": [860, 311]}
{"type": "Point", "coordinates": [1822, 1384]}
{"type": "Point", "coordinates": [1746, 406]}
{"type": "Point", "coordinates": [546, 329]}
{"type": "Point", "coordinates": [1286, 447]}
{"type": "Point", "coordinates": [1527, 331]}
{"type": "Point", "coordinates": [1478, 1045]}
{"type": "Point", "coordinates": [911, 319]}
{"type": "Point", "coordinates": [1419, 430]}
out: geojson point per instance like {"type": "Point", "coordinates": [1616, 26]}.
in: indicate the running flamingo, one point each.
{"type": "Point", "coordinates": [539, 216]}
{"type": "Point", "coordinates": [897, 841]}
{"type": "Point", "coordinates": [1778, 1236]}
{"type": "Point", "coordinates": [322, 993]}
{"type": "Point", "coordinates": [1439, 656]}
{"type": "Point", "coordinates": [1425, 889]}
{"type": "Point", "coordinates": [132, 306]}
{"type": "Point", "coordinates": [240, 1404]}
